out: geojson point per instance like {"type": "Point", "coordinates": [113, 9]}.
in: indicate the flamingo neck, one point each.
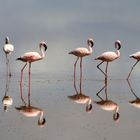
{"type": "Point", "coordinates": [90, 49]}
{"type": "Point", "coordinates": [117, 109]}
{"type": "Point", "coordinates": [41, 116]}
{"type": "Point", "coordinates": [42, 52]}
{"type": "Point", "coordinates": [118, 53]}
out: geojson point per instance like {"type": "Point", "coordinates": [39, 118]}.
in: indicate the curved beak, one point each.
{"type": "Point", "coordinates": [42, 122]}
{"type": "Point", "coordinates": [89, 108]}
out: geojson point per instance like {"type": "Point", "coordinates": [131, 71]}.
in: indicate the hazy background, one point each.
{"type": "Point", "coordinates": [65, 25]}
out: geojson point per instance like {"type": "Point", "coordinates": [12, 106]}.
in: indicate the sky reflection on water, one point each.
{"type": "Point", "coordinates": [65, 119]}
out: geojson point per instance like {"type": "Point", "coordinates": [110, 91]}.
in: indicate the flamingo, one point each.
{"type": "Point", "coordinates": [80, 98]}
{"type": "Point", "coordinates": [8, 49]}
{"type": "Point", "coordinates": [137, 57]}
{"type": "Point", "coordinates": [107, 104]}
{"type": "Point", "coordinates": [30, 57]}
{"type": "Point", "coordinates": [80, 53]}
{"type": "Point", "coordinates": [135, 102]}
{"type": "Point", "coordinates": [109, 56]}
{"type": "Point", "coordinates": [31, 111]}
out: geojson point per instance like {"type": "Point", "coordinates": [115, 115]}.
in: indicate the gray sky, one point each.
{"type": "Point", "coordinates": [65, 25]}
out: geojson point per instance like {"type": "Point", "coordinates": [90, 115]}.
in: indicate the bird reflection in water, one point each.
{"type": "Point", "coordinates": [7, 101]}
{"type": "Point", "coordinates": [81, 98]}
{"type": "Point", "coordinates": [136, 102]}
{"type": "Point", "coordinates": [30, 111]}
{"type": "Point", "coordinates": [107, 104]}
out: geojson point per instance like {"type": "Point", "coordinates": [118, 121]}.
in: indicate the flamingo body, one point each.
{"type": "Point", "coordinates": [108, 56]}
{"type": "Point", "coordinates": [135, 103]}
{"type": "Point", "coordinates": [80, 98]}
{"type": "Point", "coordinates": [8, 48]}
{"type": "Point", "coordinates": [135, 56]}
{"type": "Point", "coordinates": [29, 111]}
{"type": "Point", "coordinates": [107, 105]}
{"type": "Point", "coordinates": [30, 57]}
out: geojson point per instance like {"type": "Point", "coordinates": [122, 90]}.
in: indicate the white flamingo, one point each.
{"type": "Point", "coordinates": [30, 57]}
{"type": "Point", "coordinates": [8, 49]}
{"type": "Point", "coordinates": [80, 53]}
{"type": "Point", "coordinates": [109, 56]}
{"type": "Point", "coordinates": [137, 57]}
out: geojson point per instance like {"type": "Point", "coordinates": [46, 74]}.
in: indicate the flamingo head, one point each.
{"type": "Point", "coordinates": [90, 42]}
{"type": "Point", "coordinates": [42, 122]}
{"type": "Point", "coordinates": [116, 116]}
{"type": "Point", "coordinates": [89, 106]}
{"type": "Point", "coordinates": [43, 44]}
{"type": "Point", "coordinates": [7, 40]}
{"type": "Point", "coordinates": [117, 44]}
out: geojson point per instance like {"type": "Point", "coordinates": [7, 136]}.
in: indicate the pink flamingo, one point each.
{"type": "Point", "coordinates": [30, 57]}
{"type": "Point", "coordinates": [137, 57]}
{"type": "Point", "coordinates": [109, 56]}
{"type": "Point", "coordinates": [80, 53]}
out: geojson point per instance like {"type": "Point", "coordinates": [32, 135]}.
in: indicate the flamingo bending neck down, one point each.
{"type": "Point", "coordinates": [30, 57]}
{"type": "Point", "coordinates": [109, 56]}
{"type": "Point", "coordinates": [8, 49]}
{"type": "Point", "coordinates": [80, 53]}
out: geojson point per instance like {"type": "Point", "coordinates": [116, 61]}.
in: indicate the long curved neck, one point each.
{"type": "Point", "coordinates": [42, 52]}
{"type": "Point", "coordinates": [117, 109]}
{"type": "Point", "coordinates": [118, 53]}
{"type": "Point", "coordinates": [41, 116]}
{"type": "Point", "coordinates": [90, 49]}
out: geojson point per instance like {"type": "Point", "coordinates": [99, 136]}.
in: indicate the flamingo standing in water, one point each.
{"type": "Point", "coordinates": [109, 56]}
{"type": "Point", "coordinates": [137, 57]}
{"type": "Point", "coordinates": [8, 49]}
{"type": "Point", "coordinates": [30, 57]}
{"type": "Point", "coordinates": [80, 53]}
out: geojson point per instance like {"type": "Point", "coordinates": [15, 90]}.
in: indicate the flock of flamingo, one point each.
{"type": "Point", "coordinates": [30, 57]}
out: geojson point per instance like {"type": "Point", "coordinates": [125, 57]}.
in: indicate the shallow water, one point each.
{"type": "Point", "coordinates": [66, 119]}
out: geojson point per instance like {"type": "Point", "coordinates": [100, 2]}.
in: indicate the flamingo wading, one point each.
{"type": "Point", "coordinates": [8, 49]}
{"type": "Point", "coordinates": [30, 57]}
{"type": "Point", "coordinates": [80, 53]}
{"type": "Point", "coordinates": [137, 57]}
{"type": "Point", "coordinates": [109, 56]}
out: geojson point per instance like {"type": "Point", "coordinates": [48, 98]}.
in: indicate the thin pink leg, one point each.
{"type": "Point", "coordinates": [29, 88]}
{"type": "Point", "coordinates": [75, 73]}
{"type": "Point", "coordinates": [81, 75]}
{"type": "Point", "coordinates": [21, 79]}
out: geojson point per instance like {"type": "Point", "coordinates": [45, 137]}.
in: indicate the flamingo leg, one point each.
{"type": "Point", "coordinates": [75, 72]}
{"type": "Point", "coordinates": [29, 88]}
{"type": "Point", "coordinates": [132, 69]}
{"type": "Point", "coordinates": [106, 71]}
{"type": "Point", "coordinates": [101, 69]}
{"type": "Point", "coordinates": [21, 79]}
{"type": "Point", "coordinates": [81, 75]}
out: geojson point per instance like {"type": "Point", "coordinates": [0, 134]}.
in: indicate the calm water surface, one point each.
{"type": "Point", "coordinates": [66, 119]}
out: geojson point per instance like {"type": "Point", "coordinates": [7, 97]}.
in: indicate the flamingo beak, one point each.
{"type": "Point", "coordinates": [7, 40]}
{"type": "Point", "coordinates": [89, 108]}
{"type": "Point", "coordinates": [116, 116]}
{"type": "Point", "coordinates": [42, 123]}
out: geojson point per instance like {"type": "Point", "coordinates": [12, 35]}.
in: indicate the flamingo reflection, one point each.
{"type": "Point", "coordinates": [107, 104]}
{"type": "Point", "coordinates": [136, 102]}
{"type": "Point", "coordinates": [7, 101]}
{"type": "Point", "coordinates": [30, 111]}
{"type": "Point", "coordinates": [81, 98]}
